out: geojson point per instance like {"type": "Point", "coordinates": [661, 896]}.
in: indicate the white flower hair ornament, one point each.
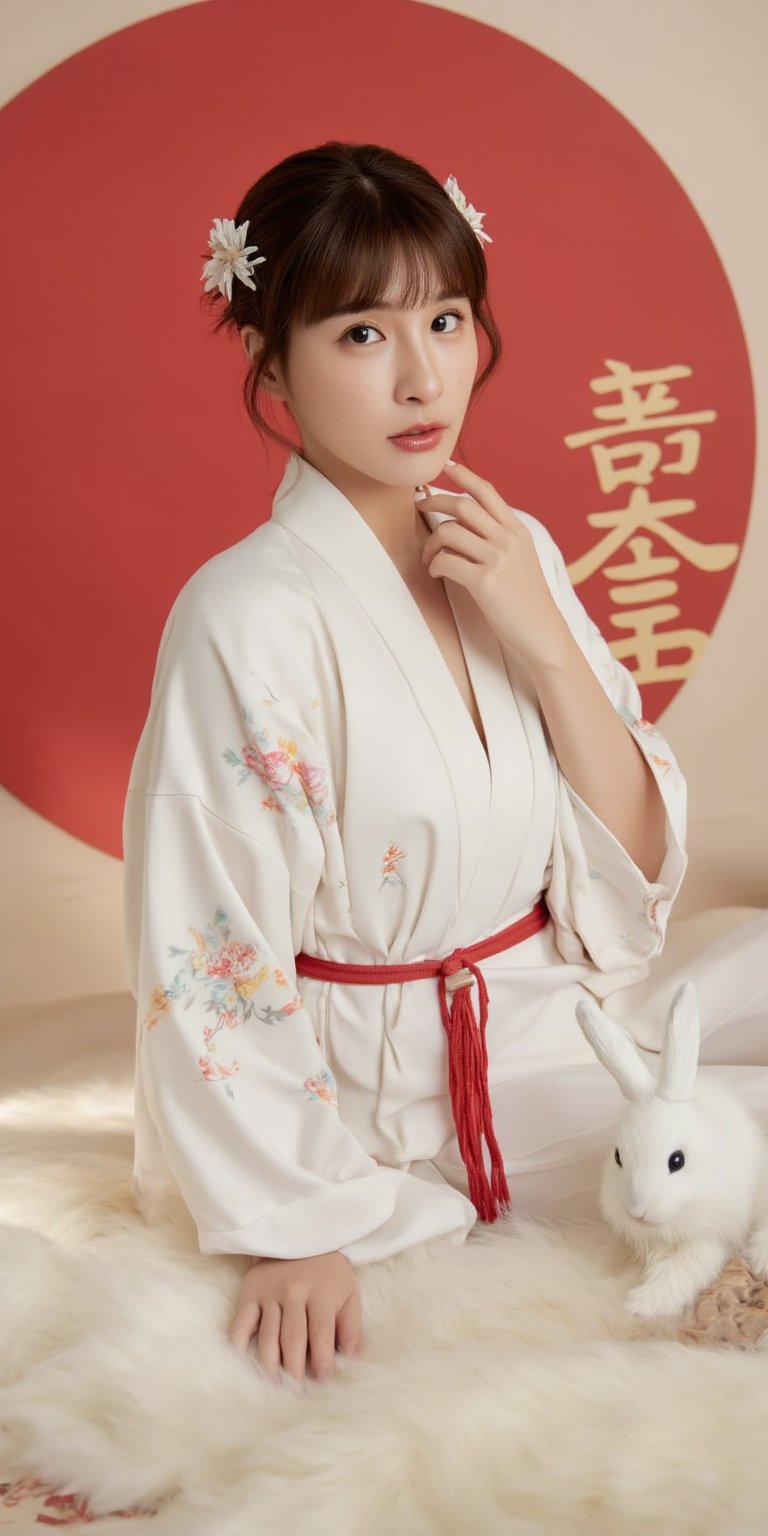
{"type": "Point", "coordinates": [232, 257]}
{"type": "Point", "coordinates": [685, 1178]}
{"type": "Point", "coordinates": [451, 186]}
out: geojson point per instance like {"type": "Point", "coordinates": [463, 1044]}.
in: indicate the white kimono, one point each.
{"type": "Point", "coordinates": [309, 777]}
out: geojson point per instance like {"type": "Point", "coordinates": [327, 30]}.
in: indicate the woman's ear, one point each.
{"type": "Point", "coordinates": [251, 340]}
{"type": "Point", "coordinates": [271, 381]}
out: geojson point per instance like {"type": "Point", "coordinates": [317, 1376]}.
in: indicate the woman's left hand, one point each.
{"type": "Point", "coordinates": [488, 550]}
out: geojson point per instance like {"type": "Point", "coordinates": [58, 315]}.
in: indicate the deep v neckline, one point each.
{"type": "Point", "coordinates": [465, 647]}
{"type": "Point", "coordinates": [488, 795]}
{"type": "Point", "coordinates": [344, 539]}
{"type": "Point", "coordinates": [485, 746]}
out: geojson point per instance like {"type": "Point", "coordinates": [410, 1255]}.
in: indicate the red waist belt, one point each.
{"type": "Point", "coordinates": [467, 1053]}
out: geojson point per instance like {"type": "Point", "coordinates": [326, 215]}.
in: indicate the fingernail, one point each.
{"type": "Point", "coordinates": [452, 463]}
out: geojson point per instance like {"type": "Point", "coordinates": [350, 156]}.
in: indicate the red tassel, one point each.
{"type": "Point", "coordinates": [468, 1082]}
{"type": "Point", "coordinates": [467, 1052]}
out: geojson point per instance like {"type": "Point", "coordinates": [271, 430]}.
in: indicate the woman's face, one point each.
{"type": "Point", "coordinates": [354, 380]}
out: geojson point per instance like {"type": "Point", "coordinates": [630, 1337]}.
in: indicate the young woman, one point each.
{"type": "Point", "coordinates": [395, 807]}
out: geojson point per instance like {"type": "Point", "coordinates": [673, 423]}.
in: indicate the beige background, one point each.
{"type": "Point", "coordinates": [690, 75]}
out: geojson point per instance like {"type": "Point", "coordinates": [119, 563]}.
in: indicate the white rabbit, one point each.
{"type": "Point", "coordinates": [686, 1186]}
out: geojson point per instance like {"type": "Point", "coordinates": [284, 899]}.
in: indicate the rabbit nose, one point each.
{"type": "Point", "coordinates": [638, 1214]}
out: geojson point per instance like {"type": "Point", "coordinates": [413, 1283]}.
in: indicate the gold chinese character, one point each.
{"type": "Point", "coordinates": [645, 459]}
{"type": "Point", "coordinates": [690, 446]}
{"type": "Point", "coordinates": [647, 646]}
{"type": "Point", "coordinates": [642, 578]}
{"type": "Point", "coordinates": [635, 411]}
{"type": "Point", "coordinates": [643, 513]}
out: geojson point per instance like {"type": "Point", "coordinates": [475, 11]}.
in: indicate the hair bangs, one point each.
{"type": "Point", "coordinates": [380, 265]}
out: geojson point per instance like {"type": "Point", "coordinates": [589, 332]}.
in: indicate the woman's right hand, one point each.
{"type": "Point", "coordinates": [299, 1308]}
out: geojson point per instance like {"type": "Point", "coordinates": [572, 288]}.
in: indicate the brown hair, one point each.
{"type": "Point", "coordinates": [333, 223]}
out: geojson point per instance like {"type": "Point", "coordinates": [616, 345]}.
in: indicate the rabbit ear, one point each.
{"type": "Point", "coordinates": [680, 1052]}
{"type": "Point", "coordinates": [616, 1051]}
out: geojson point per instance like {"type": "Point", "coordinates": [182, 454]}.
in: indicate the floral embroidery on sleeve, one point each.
{"type": "Point", "coordinates": [294, 783]}
{"type": "Point", "coordinates": [216, 1072]}
{"type": "Point", "coordinates": [646, 727]}
{"type": "Point", "coordinates": [227, 974]}
{"type": "Point", "coordinates": [323, 1086]}
{"type": "Point", "coordinates": [648, 914]}
{"type": "Point", "coordinates": [634, 720]}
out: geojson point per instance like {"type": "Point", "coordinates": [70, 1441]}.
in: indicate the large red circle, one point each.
{"type": "Point", "coordinates": [129, 457]}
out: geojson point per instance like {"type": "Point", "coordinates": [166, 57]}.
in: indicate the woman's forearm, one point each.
{"type": "Point", "coordinates": [599, 755]}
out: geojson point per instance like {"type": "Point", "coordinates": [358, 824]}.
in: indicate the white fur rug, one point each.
{"type": "Point", "coordinates": [501, 1388]}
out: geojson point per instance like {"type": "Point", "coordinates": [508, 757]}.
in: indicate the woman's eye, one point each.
{"type": "Point", "coordinates": [451, 314]}
{"type": "Point", "coordinates": [357, 328]}
{"type": "Point", "coordinates": [455, 314]}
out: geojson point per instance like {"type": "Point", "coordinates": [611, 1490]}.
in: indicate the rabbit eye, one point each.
{"type": "Point", "coordinates": [618, 1159]}
{"type": "Point", "coordinates": [676, 1161]}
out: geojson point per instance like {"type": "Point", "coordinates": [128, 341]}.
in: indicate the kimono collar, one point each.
{"type": "Point", "coordinates": [488, 796]}
{"type": "Point", "coordinates": [312, 507]}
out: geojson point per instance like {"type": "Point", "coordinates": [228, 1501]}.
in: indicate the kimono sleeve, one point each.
{"type": "Point", "coordinates": [229, 1067]}
{"type": "Point", "coordinates": [598, 897]}
{"type": "Point", "coordinates": [236, 1108]}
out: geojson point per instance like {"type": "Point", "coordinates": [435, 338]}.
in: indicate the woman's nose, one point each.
{"type": "Point", "coordinates": [419, 378]}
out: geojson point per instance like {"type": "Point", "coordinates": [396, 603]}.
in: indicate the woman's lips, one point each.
{"type": "Point", "coordinates": [418, 442]}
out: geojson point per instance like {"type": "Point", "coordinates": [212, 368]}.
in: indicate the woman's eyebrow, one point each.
{"type": "Point", "coordinates": [439, 298]}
